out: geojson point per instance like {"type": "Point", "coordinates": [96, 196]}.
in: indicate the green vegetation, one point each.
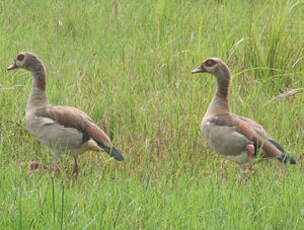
{"type": "Point", "coordinates": [128, 65]}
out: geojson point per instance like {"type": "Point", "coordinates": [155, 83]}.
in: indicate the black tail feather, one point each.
{"type": "Point", "coordinates": [115, 153]}
{"type": "Point", "coordinates": [112, 151]}
{"type": "Point", "coordinates": [285, 157]}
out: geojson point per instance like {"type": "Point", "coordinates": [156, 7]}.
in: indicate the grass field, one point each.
{"type": "Point", "coordinates": [128, 65]}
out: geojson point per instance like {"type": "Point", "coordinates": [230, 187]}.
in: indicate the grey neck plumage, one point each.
{"type": "Point", "coordinates": [219, 103]}
{"type": "Point", "coordinates": [38, 97]}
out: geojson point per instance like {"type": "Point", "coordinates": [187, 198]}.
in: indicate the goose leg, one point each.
{"type": "Point", "coordinates": [251, 155]}
{"type": "Point", "coordinates": [76, 169]}
{"type": "Point", "coordinates": [248, 167]}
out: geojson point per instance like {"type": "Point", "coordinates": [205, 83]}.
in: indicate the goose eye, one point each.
{"type": "Point", "coordinates": [20, 57]}
{"type": "Point", "coordinates": [210, 63]}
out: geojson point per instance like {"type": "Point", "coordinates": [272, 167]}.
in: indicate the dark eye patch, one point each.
{"type": "Point", "coordinates": [209, 63]}
{"type": "Point", "coordinates": [20, 57]}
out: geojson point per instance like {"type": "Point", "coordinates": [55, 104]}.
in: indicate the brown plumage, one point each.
{"type": "Point", "coordinates": [234, 137]}
{"type": "Point", "coordinates": [71, 117]}
{"type": "Point", "coordinates": [61, 128]}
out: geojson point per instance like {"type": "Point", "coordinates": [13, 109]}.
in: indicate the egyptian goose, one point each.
{"type": "Point", "coordinates": [61, 128]}
{"type": "Point", "coordinates": [234, 137]}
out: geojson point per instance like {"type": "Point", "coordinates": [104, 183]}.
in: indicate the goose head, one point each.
{"type": "Point", "coordinates": [26, 60]}
{"type": "Point", "coordinates": [214, 66]}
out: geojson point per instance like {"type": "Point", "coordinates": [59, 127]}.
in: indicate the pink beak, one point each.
{"type": "Point", "coordinates": [12, 66]}
{"type": "Point", "coordinates": [198, 70]}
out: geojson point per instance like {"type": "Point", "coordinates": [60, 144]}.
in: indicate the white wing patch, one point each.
{"type": "Point", "coordinates": [47, 121]}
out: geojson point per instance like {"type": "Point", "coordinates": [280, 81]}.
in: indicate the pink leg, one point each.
{"type": "Point", "coordinates": [251, 155]}
{"type": "Point", "coordinates": [251, 149]}
{"type": "Point", "coordinates": [76, 169]}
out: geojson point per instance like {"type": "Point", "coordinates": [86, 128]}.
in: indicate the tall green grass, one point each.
{"type": "Point", "coordinates": [128, 65]}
